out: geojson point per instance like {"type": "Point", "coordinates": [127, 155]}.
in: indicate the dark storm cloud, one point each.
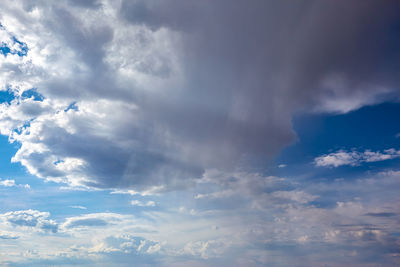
{"type": "Point", "coordinates": [85, 3]}
{"type": "Point", "coordinates": [235, 72]}
{"type": "Point", "coordinates": [273, 53]}
{"type": "Point", "coordinates": [381, 214]}
{"type": "Point", "coordinates": [250, 65]}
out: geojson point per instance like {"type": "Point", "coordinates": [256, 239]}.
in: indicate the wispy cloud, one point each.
{"type": "Point", "coordinates": [8, 235]}
{"type": "Point", "coordinates": [143, 204]}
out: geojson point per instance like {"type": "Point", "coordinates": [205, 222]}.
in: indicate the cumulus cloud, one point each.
{"type": "Point", "coordinates": [354, 158]}
{"type": "Point", "coordinates": [138, 94]}
{"type": "Point", "coordinates": [206, 249]}
{"type": "Point", "coordinates": [128, 244]}
{"type": "Point", "coordinates": [7, 183]}
{"type": "Point", "coordinates": [11, 183]}
{"type": "Point", "coordinates": [33, 219]}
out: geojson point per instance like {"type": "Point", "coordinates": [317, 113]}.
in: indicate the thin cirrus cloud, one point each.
{"type": "Point", "coordinates": [159, 85]}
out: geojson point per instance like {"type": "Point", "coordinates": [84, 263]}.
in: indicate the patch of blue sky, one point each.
{"type": "Point", "coordinates": [22, 47]}
{"type": "Point", "coordinates": [32, 93]}
{"type": "Point", "coordinates": [370, 128]}
{"type": "Point", "coordinates": [72, 106]}
{"type": "Point", "coordinates": [7, 151]}
{"type": "Point", "coordinates": [21, 128]}
{"type": "Point", "coordinates": [17, 48]}
{"type": "Point", "coordinates": [6, 96]}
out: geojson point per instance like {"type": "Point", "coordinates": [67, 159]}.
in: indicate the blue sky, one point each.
{"type": "Point", "coordinates": [199, 133]}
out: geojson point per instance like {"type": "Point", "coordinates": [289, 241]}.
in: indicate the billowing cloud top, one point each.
{"type": "Point", "coordinates": [142, 94]}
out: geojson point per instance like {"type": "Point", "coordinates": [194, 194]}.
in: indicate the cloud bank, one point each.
{"type": "Point", "coordinates": [137, 94]}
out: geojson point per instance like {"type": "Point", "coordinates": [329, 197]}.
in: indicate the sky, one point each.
{"type": "Point", "coordinates": [199, 133]}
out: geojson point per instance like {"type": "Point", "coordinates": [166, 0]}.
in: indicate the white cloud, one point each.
{"type": "Point", "coordinates": [8, 183]}
{"type": "Point", "coordinates": [11, 183]}
{"type": "Point", "coordinates": [143, 204]}
{"type": "Point", "coordinates": [206, 249]}
{"type": "Point", "coordinates": [278, 212]}
{"type": "Point", "coordinates": [32, 219]}
{"type": "Point", "coordinates": [78, 207]}
{"type": "Point", "coordinates": [92, 220]}
{"type": "Point", "coordinates": [8, 235]}
{"type": "Point", "coordinates": [354, 158]}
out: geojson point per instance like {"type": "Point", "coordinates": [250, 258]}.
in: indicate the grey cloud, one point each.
{"type": "Point", "coordinates": [86, 222]}
{"type": "Point", "coordinates": [262, 61]}
{"type": "Point", "coordinates": [191, 85]}
{"type": "Point", "coordinates": [280, 51]}
{"type": "Point", "coordinates": [381, 214]}
{"type": "Point", "coordinates": [156, 14]}
{"type": "Point", "coordinates": [85, 3]}
{"type": "Point", "coordinates": [31, 218]}
{"type": "Point", "coordinates": [92, 220]}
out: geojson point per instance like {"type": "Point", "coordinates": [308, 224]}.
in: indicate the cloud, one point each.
{"type": "Point", "coordinates": [8, 183]}
{"type": "Point", "coordinates": [146, 97]}
{"type": "Point", "coordinates": [11, 183]}
{"type": "Point", "coordinates": [92, 220]}
{"type": "Point", "coordinates": [381, 214]}
{"type": "Point", "coordinates": [354, 158]}
{"type": "Point", "coordinates": [297, 196]}
{"type": "Point", "coordinates": [133, 244]}
{"type": "Point", "coordinates": [242, 184]}
{"type": "Point", "coordinates": [31, 218]}
{"type": "Point", "coordinates": [78, 207]}
{"type": "Point", "coordinates": [264, 219]}
{"type": "Point", "coordinates": [8, 235]}
{"type": "Point", "coordinates": [156, 87]}
{"type": "Point", "coordinates": [205, 249]}
{"type": "Point", "coordinates": [143, 204]}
